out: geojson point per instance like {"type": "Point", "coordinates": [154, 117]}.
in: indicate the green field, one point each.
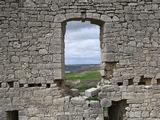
{"type": "Point", "coordinates": [87, 79]}
{"type": "Point", "coordinates": [86, 75]}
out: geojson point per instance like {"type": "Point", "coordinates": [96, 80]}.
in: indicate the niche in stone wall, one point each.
{"type": "Point", "coordinates": [158, 81]}
{"type": "Point", "coordinates": [145, 81]}
{"type": "Point", "coordinates": [82, 54]}
{"type": "Point", "coordinates": [130, 81]}
{"type": "Point", "coordinates": [12, 115]}
{"type": "Point", "coordinates": [10, 84]}
{"type": "Point", "coordinates": [35, 85]}
{"type": "Point", "coordinates": [119, 83]}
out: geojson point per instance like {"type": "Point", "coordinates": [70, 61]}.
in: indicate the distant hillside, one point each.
{"type": "Point", "coordinates": [80, 68]}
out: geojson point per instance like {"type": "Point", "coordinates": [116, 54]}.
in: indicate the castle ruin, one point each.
{"type": "Point", "coordinates": [32, 60]}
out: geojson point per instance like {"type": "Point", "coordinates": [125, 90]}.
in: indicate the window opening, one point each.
{"type": "Point", "coordinates": [82, 54]}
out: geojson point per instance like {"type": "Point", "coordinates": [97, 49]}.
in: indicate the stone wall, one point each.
{"type": "Point", "coordinates": [32, 57]}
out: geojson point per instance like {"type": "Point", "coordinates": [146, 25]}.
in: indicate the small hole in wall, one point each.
{"type": "Point", "coordinates": [21, 85]}
{"type": "Point", "coordinates": [11, 84]}
{"type": "Point", "coordinates": [48, 85]}
{"type": "Point", "coordinates": [0, 84]}
{"type": "Point", "coordinates": [145, 81]}
{"type": "Point", "coordinates": [34, 85]}
{"type": "Point", "coordinates": [130, 82]}
{"type": "Point", "coordinates": [120, 83]}
{"type": "Point", "coordinates": [89, 105]}
{"type": "Point", "coordinates": [119, 43]}
{"type": "Point", "coordinates": [142, 83]}
{"type": "Point", "coordinates": [83, 118]}
{"type": "Point", "coordinates": [158, 81]}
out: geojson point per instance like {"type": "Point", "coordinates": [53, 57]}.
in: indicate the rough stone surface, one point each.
{"type": "Point", "coordinates": [32, 52]}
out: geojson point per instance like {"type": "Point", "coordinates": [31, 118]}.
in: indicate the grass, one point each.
{"type": "Point", "coordinates": [88, 79]}
{"type": "Point", "coordinates": [86, 75]}
{"type": "Point", "coordinates": [96, 98]}
{"type": "Point", "coordinates": [82, 86]}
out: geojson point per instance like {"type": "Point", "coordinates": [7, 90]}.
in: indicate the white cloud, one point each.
{"type": "Point", "coordinates": [82, 45]}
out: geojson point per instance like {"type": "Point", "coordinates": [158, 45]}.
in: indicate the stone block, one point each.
{"type": "Point", "coordinates": [62, 117]}
{"type": "Point", "coordinates": [43, 51]}
{"type": "Point", "coordinates": [59, 101]}
{"type": "Point", "coordinates": [4, 85]}
{"type": "Point", "coordinates": [59, 18]}
{"type": "Point", "coordinates": [15, 59]}
{"type": "Point", "coordinates": [48, 100]}
{"type": "Point", "coordinates": [109, 57]}
{"type": "Point", "coordinates": [23, 117]}
{"type": "Point", "coordinates": [48, 18]}
{"type": "Point", "coordinates": [92, 92]}
{"type": "Point", "coordinates": [16, 84]}
{"type": "Point", "coordinates": [145, 114]}
{"type": "Point", "coordinates": [158, 76]}
{"type": "Point", "coordinates": [106, 18]}
{"type": "Point", "coordinates": [34, 118]}
{"type": "Point", "coordinates": [58, 74]}
{"type": "Point", "coordinates": [102, 72]}
{"type": "Point", "coordinates": [20, 74]}
{"type": "Point", "coordinates": [106, 102]}
{"type": "Point", "coordinates": [32, 111]}
{"type": "Point", "coordinates": [34, 24]}
{"type": "Point", "coordinates": [130, 95]}
{"type": "Point", "coordinates": [54, 7]}
{"type": "Point", "coordinates": [16, 45]}
{"type": "Point", "coordinates": [94, 104]}
{"type": "Point", "coordinates": [78, 100]}
{"type": "Point", "coordinates": [75, 92]}
{"type": "Point", "coordinates": [29, 3]}
{"type": "Point", "coordinates": [109, 88]}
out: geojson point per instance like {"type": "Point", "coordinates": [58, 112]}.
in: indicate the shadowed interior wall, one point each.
{"type": "Point", "coordinates": [118, 110]}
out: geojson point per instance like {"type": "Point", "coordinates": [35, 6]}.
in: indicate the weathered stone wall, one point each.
{"type": "Point", "coordinates": [32, 57]}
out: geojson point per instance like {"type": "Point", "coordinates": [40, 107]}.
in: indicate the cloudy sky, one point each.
{"type": "Point", "coordinates": [82, 44]}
